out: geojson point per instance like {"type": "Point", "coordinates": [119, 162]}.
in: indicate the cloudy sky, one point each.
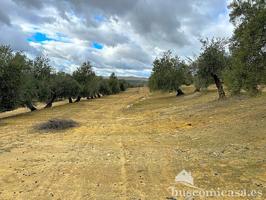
{"type": "Point", "coordinates": [122, 36]}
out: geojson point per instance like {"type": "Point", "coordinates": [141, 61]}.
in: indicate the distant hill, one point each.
{"type": "Point", "coordinates": [133, 78]}
{"type": "Point", "coordinates": [134, 81]}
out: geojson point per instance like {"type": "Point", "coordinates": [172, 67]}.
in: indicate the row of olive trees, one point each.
{"type": "Point", "coordinates": [23, 82]}
{"type": "Point", "coordinates": [240, 62]}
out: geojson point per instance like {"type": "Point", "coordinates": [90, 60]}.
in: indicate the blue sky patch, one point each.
{"type": "Point", "coordinates": [39, 37]}
{"type": "Point", "coordinates": [97, 45]}
{"type": "Point", "coordinates": [99, 18]}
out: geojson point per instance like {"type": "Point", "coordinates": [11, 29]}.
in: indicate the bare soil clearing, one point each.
{"type": "Point", "coordinates": [132, 145]}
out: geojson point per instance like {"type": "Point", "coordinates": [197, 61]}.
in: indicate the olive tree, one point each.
{"type": "Point", "coordinates": [11, 77]}
{"type": "Point", "coordinates": [43, 73]}
{"type": "Point", "coordinates": [104, 87]}
{"type": "Point", "coordinates": [248, 46]}
{"type": "Point", "coordinates": [84, 75]}
{"type": "Point", "coordinates": [64, 86]}
{"type": "Point", "coordinates": [212, 61]}
{"type": "Point", "coordinates": [167, 74]}
{"type": "Point", "coordinates": [114, 84]}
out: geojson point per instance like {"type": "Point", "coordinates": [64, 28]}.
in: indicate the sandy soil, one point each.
{"type": "Point", "coordinates": [132, 145]}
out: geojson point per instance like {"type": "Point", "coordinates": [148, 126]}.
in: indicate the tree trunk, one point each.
{"type": "Point", "coordinates": [99, 96]}
{"type": "Point", "coordinates": [78, 99]}
{"type": "Point", "coordinates": [219, 86]}
{"type": "Point", "coordinates": [92, 97]}
{"type": "Point", "coordinates": [70, 100]}
{"type": "Point", "coordinates": [179, 92]}
{"type": "Point", "coordinates": [30, 106]}
{"type": "Point", "coordinates": [50, 102]}
{"type": "Point", "coordinates": [197, 90]}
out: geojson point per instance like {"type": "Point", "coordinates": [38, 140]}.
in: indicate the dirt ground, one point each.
{"type": "Point", "coordinates": [132, 145]}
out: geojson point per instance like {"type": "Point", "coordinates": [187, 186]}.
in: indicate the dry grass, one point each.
{"type": "Point", "coordinates": [132, 145]}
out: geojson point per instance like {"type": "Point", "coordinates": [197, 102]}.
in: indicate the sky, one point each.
{"type": "Point", "coordinates": [121, 36]}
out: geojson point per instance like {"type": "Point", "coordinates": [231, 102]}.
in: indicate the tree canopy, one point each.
{"type": "Point", "coordinates": [248, 46]}
{"type": "Point", "coordinates": [211, 62]}
{"type": "Point", "coordinates": [168, 73]}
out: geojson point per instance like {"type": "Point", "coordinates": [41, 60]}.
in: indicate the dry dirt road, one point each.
{"type": "Point", "coordinates": [132, 145]}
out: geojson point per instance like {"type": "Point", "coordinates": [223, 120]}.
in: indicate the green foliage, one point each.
{"type": "Point", "coordinates": [212, 60]}
{"type": "Point", "coordinates": [211, 63]}
{"type": "Point", "coordinates": [201, 83]}
{"type": "Point", "coordinates": [65, 86]}
{"type": "Point", "coordinates": [28, 90]}
{"type": "Point", "coordinates": [198, 81]}
{"type": "Point", "coordinates": [123, 85]}
{"type": "Point", "coordinates": [114, 84]}
{"type": "Point", "coordinates": [188, 71]}
{"type": "Point", "coordinates": [248, 46]}
{"type": "Point", "coordinates": [92, 87]}
{"type": "Point", "coordinates": [23, 80]}
{"type": "Point", "coordinates": [11, 67]}
{"type": "Point", "coordinates": [168, 73]}
{"type": "Point", "coordinates": [104, 87]}
{"type": "Point", "coordinates": [42, 73]}
{"type": "Point", "coordinates": [233, 78]}
{"type": "Point", "coordinates": [85, 75]}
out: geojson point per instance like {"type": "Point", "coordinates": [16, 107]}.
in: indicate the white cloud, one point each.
{"type": "Point", "coordinates": [132, 33]}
